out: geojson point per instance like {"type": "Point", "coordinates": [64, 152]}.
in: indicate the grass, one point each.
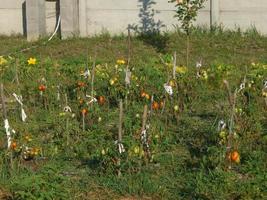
{"type": "Point", "coordinates": [189, 155]}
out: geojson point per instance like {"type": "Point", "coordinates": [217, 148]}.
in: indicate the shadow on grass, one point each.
{"type": "Point", "coordinates": [156, 40]}
{"type": "Point", "coordinates": [148, 29]}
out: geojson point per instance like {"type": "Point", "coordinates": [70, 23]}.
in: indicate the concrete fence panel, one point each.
{"type": "Point", "coordinates": [244, 14]}
{"type": "Point", "coordinates": [13, 16]}
{"type": "Point", "coordinates": [89, 17]}
{"type": "Point", "coordinates": [115, 16]}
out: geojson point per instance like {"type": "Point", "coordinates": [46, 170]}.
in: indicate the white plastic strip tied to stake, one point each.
{"type": "Point", "coordinates": [120, 146]}
{"type": "Point", "coordinates": [58, 93]}
{"type": "Point", "coordinates": [67, 109]}
{"type": "Point", "coordinates": [221, 125]}
{"type": "Point", "coordinates": [86, 73]}
{"type": "Point", "coordinates": [199, 64]}
{"type": "Point", "coordinates": [8, 133]}
{"type": "Point", "coordinates": [19, 100]}
{"type": "Point", "coordinates": [144, 137]}
{"type": "Point", "coordinates": [128, 77]}
{"type": "Point", "coordinates": [92, 99]}
{"type": "Point", "coordinates": [168, 89]}
{"type": "Point", "coordinates": [241, 87]}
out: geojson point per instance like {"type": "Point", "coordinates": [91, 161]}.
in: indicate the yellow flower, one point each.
{"type": "Point", "coordinates": [121, 62]}
{"type": "Point", "coordinates": [62, 114]}
{"type": "Point", "coordinates": [136, 150]}
{"type": "Point", "coordinates": [222, 134]}
{"type": "Point", "coordinates": [181, 70]}
{"type": "Point", "coordinates": [32, 61]}
{"type": "Point", "coordinates": [111, 81]}
{"type": "Point", "coordinates": [28, 138]}
{"type": "Point", "coordinates": [2, 60]}
{"type": "Point", "coordinates": [205, 75]}
{"type": "Point", "coordinates": [264, 94]}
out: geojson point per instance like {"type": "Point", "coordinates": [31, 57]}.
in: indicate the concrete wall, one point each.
{"type": "Point", "coordinates": [96, 16]}
{"type": "Point", "coordinates": [244, 14]}
{"type": "Point", "coordinates": [115, 15]}
{"type": "Point", "coordinates": [12, 16]}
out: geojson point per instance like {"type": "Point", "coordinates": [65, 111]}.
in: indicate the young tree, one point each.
{"type": "Point", "coordinates": [186, 13]}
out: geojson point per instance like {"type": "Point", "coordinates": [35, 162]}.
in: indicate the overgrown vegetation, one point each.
{"type": "Point", "coordinates": [207, 140]}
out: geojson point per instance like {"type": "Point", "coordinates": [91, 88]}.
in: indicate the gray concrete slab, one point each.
{"type": "Point", "coordinates": [35, 19]}
{"type": "Point", "coordinates": [69, 12]}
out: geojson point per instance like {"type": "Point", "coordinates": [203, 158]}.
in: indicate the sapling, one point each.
{"type": "Point", "coordinates": [186, 13]}
{"type": "Point", "coordinates": [232, 98]}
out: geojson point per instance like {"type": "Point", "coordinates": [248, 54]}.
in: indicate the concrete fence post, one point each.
{"type": "Point", "coordinates": [69, 12]}
{"type": "Point", "coordinates": [214, 12]}
{"type": "Point", "coordinates": [35, 19]}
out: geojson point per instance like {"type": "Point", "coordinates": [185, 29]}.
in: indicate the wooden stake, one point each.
{"type": "Point", "coordinates": [145, 145]}
{"type": "Point", "coordinates": [129, 47]}
{"type": "Point", "coordinates": [5, 118]}
{"type": "Point", "coordinates": [174, 66]}
{"type": "Point", "coordinates": [151, 104]}
{"type": "Point", "coordinates": [127, 67]}
{"type": "Point", "coordinates": [83, 115]}
{"type": "Point", "coordinates": [67, 121]}
{"type": "Point", "coordinates": [92, 80]}
{"type": "Point", "coordinates": [120, 133]}
{"type": "Point", "coordinates": [144, 118]}
{"type": "Point", "coordinates": [3, 101]}
{"type": "Point", "coordinates": [18, 84]}
{"type": "Point", "coordinates": [120, 122]}
{"type": "Point", "coordinates": [187, 50]}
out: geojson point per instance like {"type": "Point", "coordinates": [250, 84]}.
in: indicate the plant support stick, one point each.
{"type": "Point", "coordinates": [8, 134]}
